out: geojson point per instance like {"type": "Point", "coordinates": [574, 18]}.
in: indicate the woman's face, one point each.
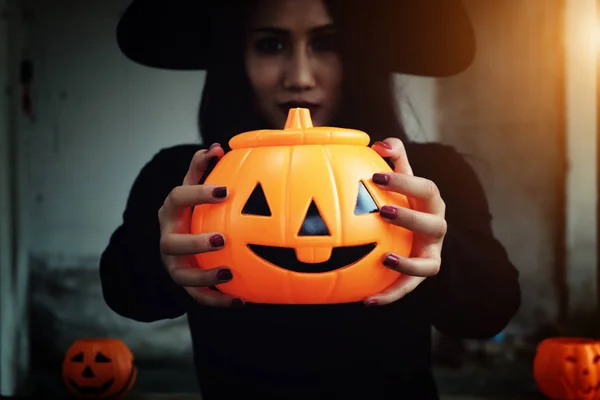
{"type": "Point", "coordinates": [292, 60]}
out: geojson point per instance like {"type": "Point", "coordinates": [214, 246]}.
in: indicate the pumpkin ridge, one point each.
{"type": "Point", "coordinates": [340, 230]}
{"type": "Point", "coordinates": [286, 207]}
{"type": "Point", "coordinates": [336, 189]}
{"type": "Point", "coordinates": [227, 217]}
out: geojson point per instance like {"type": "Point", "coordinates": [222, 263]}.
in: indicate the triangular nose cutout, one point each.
{"type": "Point", "coordinates": [257, 203]}
{"type": "Point", "coordinates": [87, 372]}
{"type": "Point", "coordinates": [313, 224]}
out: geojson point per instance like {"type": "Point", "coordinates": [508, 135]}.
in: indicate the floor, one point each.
{"type": "Point", "coordinates": [501, 382]}
{"type": "Point", "coordinates": [193, 397]}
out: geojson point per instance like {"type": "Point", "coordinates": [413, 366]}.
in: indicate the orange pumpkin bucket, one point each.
{"type": "Point", "coordinates": [98, 369]}
{"type": "Point", "coordinates": [302, 223]}
{"type": "Point", "coordinates": [568, 368]}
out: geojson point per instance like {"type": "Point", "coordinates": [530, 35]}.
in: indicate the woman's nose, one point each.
{"type": "Point", "coordinates": [299, 75]}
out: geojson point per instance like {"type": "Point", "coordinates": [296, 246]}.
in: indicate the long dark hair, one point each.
{"type": "Point", "coordinates": [228, 106]}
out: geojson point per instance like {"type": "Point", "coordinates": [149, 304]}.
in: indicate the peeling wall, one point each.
{"type": "Point", "coordinates": [6, 209]}
{"type": "Point", "coordinates": [99, 119]}
{"type": "Point", "coordinates": [507, 114]}
{"type": "Point", "coordinates": [582, 49]}
{"type": "Point", "coordinates": [13, 272]}
{"type": "Point", "coordinates": [526, 114]}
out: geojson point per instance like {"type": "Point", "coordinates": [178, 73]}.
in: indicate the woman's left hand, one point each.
{"type": "Point", "coordinates": [426, 220]}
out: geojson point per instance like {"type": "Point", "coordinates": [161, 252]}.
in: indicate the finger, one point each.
{"type": "Point", "coordinates": [183, 197]}
{"type": "Point", "coordinates": [421, 267]}
{"type": "Point", "coordinates": [423, 190]}
{"type": "Point", "coordinates": [200, 162]}
{"type": "Point", "coordinates": [213, 298]}
{"type": "Point", "coordinates": [430, 225]}
{"type": "Point", "coordinates": [189, 276]}
{"type": "Point", "coordinates": [394, 149]}
{"type": "Point", "coordinates": [397, 290]}
{"type": "Point", "coordinates": [187, 244]}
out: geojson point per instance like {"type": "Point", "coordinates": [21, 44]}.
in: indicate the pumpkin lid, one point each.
{"type": "Point", "coordinates": [299, 130]}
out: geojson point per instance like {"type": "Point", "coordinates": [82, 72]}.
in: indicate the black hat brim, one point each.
{"type": "Point", "coordinates": [433, 38]}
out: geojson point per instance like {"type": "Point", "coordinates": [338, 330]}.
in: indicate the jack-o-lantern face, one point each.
{"type": "Point", "coordinates": [99, 368]}
{"type": "Point", "coordinates": [312, 225]}
{"type": "Point", "coordinates": [302, 223]}
{"type": "Point", "coordinates": [568, 368]}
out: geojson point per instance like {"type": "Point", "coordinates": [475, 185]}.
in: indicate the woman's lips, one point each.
{"type": "Point", "coordinates": [293, 104]}
{"type": "Point", "coordinates": [312, 107]}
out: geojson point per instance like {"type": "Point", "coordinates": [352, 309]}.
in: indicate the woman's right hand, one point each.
{"type": "Point", "coordinates": [178, 245]}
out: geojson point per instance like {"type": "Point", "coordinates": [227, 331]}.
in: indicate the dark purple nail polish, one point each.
{"type": "Point", "coordinates": [224, 275]}
{"type": "Point", "coordinates": [237, 302]}
{"type": "Point", "coordinates": [388, 212]}
{"type": "Point", "coordinates": [384, 144]}
{"type": "Point", "coordinates": [391, 261]}
{"type": "Point", "coordinates": [219, 192]}
{"type": "Point", "coordinates": [372, 303]}
{"type": "Point", "coordinates": [212, 146]}
{"type": "Point", "coordinates": [381, 179]}
{"type": "Point", "coordinates": [217, 241]}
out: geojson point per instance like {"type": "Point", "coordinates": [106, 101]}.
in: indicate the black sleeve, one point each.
{"type": "Point", "coordinates": [477, 290]}
{"type": "Point", "coordinates": [135, 283]}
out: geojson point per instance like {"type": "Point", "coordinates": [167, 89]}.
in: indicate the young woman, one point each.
{"type": "Point", "coordinates": [263, 57]}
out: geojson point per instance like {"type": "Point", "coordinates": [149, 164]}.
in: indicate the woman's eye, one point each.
{"type": "Point", "coordinates": [326, 42]}
{"type": "Point", "coordinates": [269, 45]}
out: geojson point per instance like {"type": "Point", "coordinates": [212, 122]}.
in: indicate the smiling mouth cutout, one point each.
{"type": "Point", "coordinates": [285, 257]}
{"type": "Point", "coordinates": [94, 390]}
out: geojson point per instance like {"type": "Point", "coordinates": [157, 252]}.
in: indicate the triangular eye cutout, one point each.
{"type": "Point", "coordinates": [77, 358]}
{"type": "Point", "coordinates": [314, 224]}
{"type": "Point", "coordinates": [101, 358]}
{"type": "Point", "coordinates": [365, 204]}
{"type": "Point", "coordinates": [257, 203]}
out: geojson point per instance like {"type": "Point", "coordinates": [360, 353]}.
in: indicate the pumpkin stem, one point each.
{"type": "Point", "coordinates": [298, 118]}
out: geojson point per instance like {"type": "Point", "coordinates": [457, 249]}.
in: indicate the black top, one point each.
{"type": "Point", "coordinates": [321, 351]}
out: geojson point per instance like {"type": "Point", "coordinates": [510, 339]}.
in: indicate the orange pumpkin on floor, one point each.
{"type": "Point", "coordinates": [98, 369]}
{"type": "Point", "coordinates": [302, 223]}
{"type": "Point", "coordinates": [568, 368]}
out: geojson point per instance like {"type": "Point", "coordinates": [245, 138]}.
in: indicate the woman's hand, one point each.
{"type": "Point", "coordinates": [426, 219]}
{"type": "Point", "coordinates": [178, 245]}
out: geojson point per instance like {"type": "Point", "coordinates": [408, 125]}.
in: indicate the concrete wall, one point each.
{"type": "Point", "coordinates": [507, 113]}
{"type": "Point", "coordinates": [6, 239]}
{"type": "Point", "coordinates": [582, 47]}
{"type": "Point", "coordinates": [13, 272]}
{"type": "Point", "coordinates": [526, 113]}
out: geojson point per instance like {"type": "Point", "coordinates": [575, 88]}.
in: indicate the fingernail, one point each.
{"type": "Point", "coordinates": [224, 275]}
{"type": "Point", "coordinates": [372, 303]}
{"type": "Point", "coordinates": [237, 302]}
{"type": "Point", "coordinates": [217, 241]}
{"type": "Point", "coordinates": [219, 192]}
{"type": "Point", "coordinates": [381, 179]}
{"type": "Point", "coordinates": [212, 146]}
{"type": "Point", "coordinates": [388, 212]}
{"type": "Point", "coordinates": [384, 144]}
{"type": "Point", "coordinates": [391, 260]}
